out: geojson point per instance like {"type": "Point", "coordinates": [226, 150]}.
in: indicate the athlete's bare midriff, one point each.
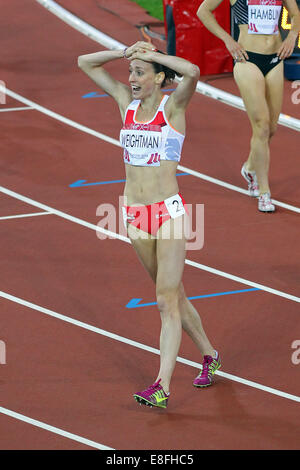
{"type": "Point", "coordinates": [146, 185]}
{"type": "Point", "coordinates": [260, 43]}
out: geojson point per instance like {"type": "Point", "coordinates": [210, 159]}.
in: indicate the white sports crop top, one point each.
{"type": "Point", "coordinates": [147, 143]}
{"type": "Point", "coordinates": [262, 16]}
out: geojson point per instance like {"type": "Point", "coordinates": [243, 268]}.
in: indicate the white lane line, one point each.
{"type": "Point", "coordinates": [53, 429]}
{"type": "Point", "coordinates": [125, 239]}
{"type": "Point", "coordinates": [270, 290]}
{"type": "Point", "coordinates": [21, 108]}
{"type": "Point", "coordinates": [232, 187]}
{"type": "Point", "coordinates": [113, 141]}
{"type": "Point", "coordinates": [19, 216]}
{"type": "Point", "coordinates": [78, 24]}
{"type": "Point", "coordinates": [58, 117]}
{"type": "Point", "coordinates": [110, 43]}
{"type": "Point", "coordinates": [138, 345]}
{"type": "Point", "coordinates": [63, 215]}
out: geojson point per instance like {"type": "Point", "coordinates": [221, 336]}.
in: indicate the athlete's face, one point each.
{"type": "Point", "coordinates": [142, 78]}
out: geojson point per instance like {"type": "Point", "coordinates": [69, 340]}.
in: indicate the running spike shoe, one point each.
{"type": "Point", "coordinates": [250, 177]}
{"type": "Point", "coordinates": [153, 396]}
{"type": "Point", "coordinates": [265, 203]}
{"type": "Point", "coordinates": [209, 367]}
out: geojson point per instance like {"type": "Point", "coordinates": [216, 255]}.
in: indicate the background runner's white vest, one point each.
{"type": "Point", "coordinates": [263, 16]}
{"type": "Point", "coordinates": [147, 143]}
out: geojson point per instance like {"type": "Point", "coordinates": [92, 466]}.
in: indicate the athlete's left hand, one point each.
{"type": "Point", "coordinates": [287, 46]}
{"type": "Point", "coordinates": [143, 54]}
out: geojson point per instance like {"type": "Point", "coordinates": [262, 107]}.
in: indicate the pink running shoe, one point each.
{"type": "Point", "coordinates": [153, 396]}
{"type": "Point", "coordinates": [209, 367]}
{"type": "Point", "coordinates": [250, 177]}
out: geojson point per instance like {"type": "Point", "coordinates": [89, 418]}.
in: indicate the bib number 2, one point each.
{"type": "Point", "coordinates": [175, 206]}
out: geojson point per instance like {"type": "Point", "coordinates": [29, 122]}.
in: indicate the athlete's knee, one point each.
{"type": "Point", "coordinates": [261, 127]}
{"type": "Point", "coordinates": [273, 129]}
{"type": "Point", "coordinates": [168, 300]}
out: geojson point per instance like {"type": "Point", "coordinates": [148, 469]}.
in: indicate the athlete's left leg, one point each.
{"type": "Point", "coordinates": [252, 86]}
{"type": "Point", "coordinates": [190, 319]}
{"type": "Point", "coordinates": [274, 95]}
{"type": "Point", "coordinates": [192, 324]}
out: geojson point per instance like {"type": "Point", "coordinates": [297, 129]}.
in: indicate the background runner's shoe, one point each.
{"type": "Point", "coordinates": [209, 367]}
{"type": "Point", "coordinates": [153, 396]}
{"type": "Point", "coordinates": [250, 177]}
{"type": "Point", "coordinates": [265, 203]}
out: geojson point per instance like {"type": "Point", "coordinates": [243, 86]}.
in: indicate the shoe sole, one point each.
{"type": "Point", "coordinates": [207, 385]}
{"type": "Point", "coordinates": [267, 212]}
{"type": "Point", "coordinates": [143, 401]}
{"type": "Point", "coordinates": [202, 386]}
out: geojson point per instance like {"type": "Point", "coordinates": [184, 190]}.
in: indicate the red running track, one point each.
{"type": "Point", "coordinates": [78, 377]}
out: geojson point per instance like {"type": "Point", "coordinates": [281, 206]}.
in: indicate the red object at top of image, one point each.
{"type": "Point", "coordinates": [194, 42]}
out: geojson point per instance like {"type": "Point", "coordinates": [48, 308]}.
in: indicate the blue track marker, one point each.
{"type": "Point", "coordinates": [82, 183]}
{"type": "Point", "coordinates": [135, 303]}
{"type": "Point", "coordinates": [94, 94]}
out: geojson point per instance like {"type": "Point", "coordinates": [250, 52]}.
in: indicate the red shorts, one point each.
{"type": "Point", "coordinates": [150, 218]}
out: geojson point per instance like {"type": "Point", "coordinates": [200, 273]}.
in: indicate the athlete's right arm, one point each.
{"type": "Point", "coordinates": [92, 65]}
{"type": "Point", "coordinates": [206, 16]}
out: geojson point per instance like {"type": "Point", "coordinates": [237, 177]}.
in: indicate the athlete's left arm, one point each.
{"type": "Point", "coordinates": [181, 96]}
{"type": "Point", "coordinates": [288, 44]}
{"type": "Point", "coordinates": [185, 89]}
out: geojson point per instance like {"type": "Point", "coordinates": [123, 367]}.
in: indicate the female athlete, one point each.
{"type": "Point", "coordinates": [258, 71]}
{"type": "Point", "coordinates": [152, 137]}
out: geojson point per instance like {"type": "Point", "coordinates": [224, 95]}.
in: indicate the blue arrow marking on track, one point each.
{"type": "Point", "coordinates": [82, 183]}
{"type": "Point", "coordinates": [94, 94]}
{"type": "Point", "coordinates": [135, 303]}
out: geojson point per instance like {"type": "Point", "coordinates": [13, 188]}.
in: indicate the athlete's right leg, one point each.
{"type": "Point", "coordinates": [145, 248]}
{"type": "Point", "coordinates": [251, 83]}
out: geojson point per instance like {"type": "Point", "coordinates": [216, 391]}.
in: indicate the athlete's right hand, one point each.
{"type": "Point", "coordinates": [236, 50]}
{"type": "Point", "coordinates": [139, 46]}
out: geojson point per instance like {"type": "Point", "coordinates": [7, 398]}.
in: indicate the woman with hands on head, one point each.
{"type": "Point", "coordinates": [154, 214]}
{"type": "Point", "coordinates": [258, 71]}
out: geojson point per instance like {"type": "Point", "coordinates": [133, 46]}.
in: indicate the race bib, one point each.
{"type": "Point", "coordinates": [263, 16]}
{"type": "Point", "coordinates": [175, 206]}
{"type": "Point", "coordinates": [139, 142]}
